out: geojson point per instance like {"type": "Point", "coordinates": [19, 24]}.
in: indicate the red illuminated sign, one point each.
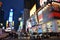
{"type": "Point", "coordinates": [54, 14]}
{"type": "Point", "coordinates": [40, 17]}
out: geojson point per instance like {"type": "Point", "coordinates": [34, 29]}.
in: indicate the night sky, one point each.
{"type": "Point", "coordinates": [29, 3]}
{"type": "Point", "coordinates": [17, 5]}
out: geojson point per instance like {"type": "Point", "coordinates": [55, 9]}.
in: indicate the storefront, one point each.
{"type": "Point", "coordinates": [49, 18]}
{"type": "Point", "coordinates": [31, 23]}
{"type": "Point", "coordinates": [51, 26]}
{"type": "Point", "coordinates": [39, 29]}
{"type": "Point", "coordinates": [58, 25]}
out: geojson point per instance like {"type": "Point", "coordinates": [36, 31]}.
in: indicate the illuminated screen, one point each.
{"type": "Point", "coordinates": [33, 20]}
{"type": "Point", "coordinates": [44, 27]}
{"type": "Point", "coordinates": [11, 16]}
{"type": "Point", "coordinates": [21, 24]}
{"type": "Point", "coordinates": [58, 25]}
{"type": "Point", "coordinates": [40, 29]}
{"type": "Point", "coordinates": [40, 16]}
{"type": "Point", "coordinates": [11, 13]}
{"type": "Point", "coordinates": [42, 2]}
{"type": "Point", "coordinates": [10, 19]}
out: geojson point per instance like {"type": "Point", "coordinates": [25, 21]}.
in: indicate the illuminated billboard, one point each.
{"type": "Point", "coordinates": [42, 2]}
{"type": "Point", "coordinates": [28, 24]}
{"type": "Point", "coordinates": [58, 25]}
{"type": "Point", "coordinates": [40, 16]}
{"type": "Point", "coordinates": [11, 15]}
{"type": "Point", "coordinates": [44, 28]}
{"type": "Point", "coordinates": [32, 11]}
{"type": "Point", "coordinates": [33, 20]}
{"type": "Point", "coordinates": [49, 26]}
{"type": "Point", "coordinates": [54, 14]}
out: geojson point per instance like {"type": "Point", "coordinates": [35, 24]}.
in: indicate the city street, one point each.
{"type": "Point", "coordinates": [29, 19]}
{"type": "Point", "coordinates": [37, 39]}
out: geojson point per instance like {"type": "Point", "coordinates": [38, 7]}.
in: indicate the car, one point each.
{"type": "Point", "coordinates": [8, 29]}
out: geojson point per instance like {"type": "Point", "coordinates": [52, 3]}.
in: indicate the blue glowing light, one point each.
{"type": "Point", "coordinates": [11, 9]}
{"type": "Point", "coordinates": [11, 15]}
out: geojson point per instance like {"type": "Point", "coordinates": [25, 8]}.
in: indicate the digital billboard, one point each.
{"type": "Point", "coordinates": [28, 24]}
{"type": "Point", "coordinates": [33, 20]}
{"type": "Point", "coordinates": [40, 15]}
{"type": "Point", "coordinates": [42, 2]}
{"type": "Point", "coordinates": [39, 29]}
{"type": "Point", "coordinates": [58, 25]}
{"type": "Point", "coordinates": [49, 26]}
{"type": "Point", "coordinates": [44, 28]}
{"type": "Point", "coordinates": [32, 11]}
{"type": "Point", "coordinates": [54, 14]}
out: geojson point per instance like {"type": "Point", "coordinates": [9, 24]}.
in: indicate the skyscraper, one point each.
{"type": "Point", "coordinates": [10, 17]}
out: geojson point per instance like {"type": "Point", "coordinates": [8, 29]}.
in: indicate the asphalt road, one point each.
{"type": "Point", "coordinates": [34, 39]}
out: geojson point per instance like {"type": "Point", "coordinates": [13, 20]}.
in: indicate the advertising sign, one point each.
{"type": "Point", "coordinates": [44, 28]}
{"type": "Point", "coordinates": [34, 29]}
{"type": "Point", "coordinates": [33, 10]}
{"type": "Point", "coordinates": [54, 14]}
{"type": "Point", "coordinates": [33, 20]}
{"type": "Point", "coordinates": [39, 28]}
{"type": "Point", "coordinates": [42, 2]}
{"type": "Point", "coordinates": [40, 16]}
{"type": "Point", "coordinates": [58, 25]}
{"type": "Point", "coordinates": [21, 24]}
{"type": "Point", "coordinates": [49, 27]}
{"type": "Point", "coordinates": [28, 24]}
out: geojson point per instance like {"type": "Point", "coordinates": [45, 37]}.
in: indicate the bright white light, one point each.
{"type": "Point", "coordinates": [20, 19]}
{"type": "Point", "coordinates": [11, 13]}
{"type": "Point", "coordinates": [12, 27]}
{"type": "Point", "coordinates": [29, 24]}
{"type": "Point", "coordinates": [40, 12]}
{"type": "Point", "coordinates": [8, 29]}
{"type": "Point", "coordinates": [11, 9]}
{"type": "Point", "coordinates": [10, 19]}
{"type": "Point", "coordinates": [3, 27]}
{"type": "Point", "coordinates": [1, 24]}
